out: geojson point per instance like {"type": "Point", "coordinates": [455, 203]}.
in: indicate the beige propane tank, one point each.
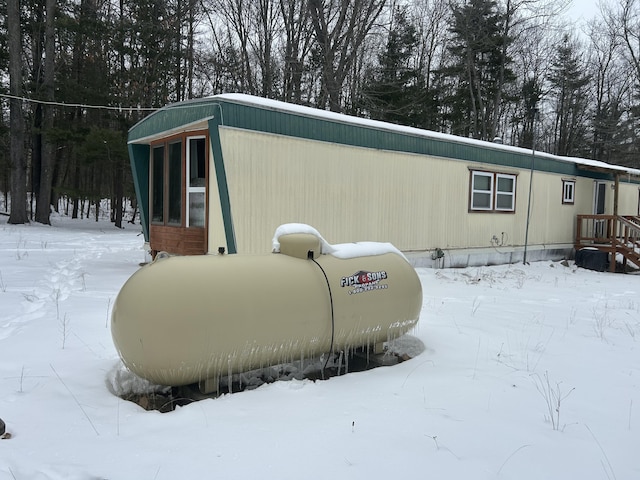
{"type": "Point", "coordinates": [193, 319]}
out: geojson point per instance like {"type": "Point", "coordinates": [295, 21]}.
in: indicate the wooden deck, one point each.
{"type": "Point", "coordinates": [614, 234]}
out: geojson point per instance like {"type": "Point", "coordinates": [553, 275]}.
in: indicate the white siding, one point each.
{"type": "Point", "coordinates": [353, 194]}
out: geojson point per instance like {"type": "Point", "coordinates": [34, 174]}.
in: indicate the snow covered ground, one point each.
{"type": "Point", "coordinates": [528, 372]}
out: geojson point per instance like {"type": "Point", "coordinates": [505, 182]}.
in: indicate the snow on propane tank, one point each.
{"type": "Point", "coordinates": [194, 319]}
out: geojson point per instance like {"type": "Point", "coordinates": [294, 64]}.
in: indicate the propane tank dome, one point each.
{"type": "Point", "coordinates": [299, 229]}
{"type": "Point", "coordinates": [297, 239]}
{"type": "Point", "coordinates": [300, 245]}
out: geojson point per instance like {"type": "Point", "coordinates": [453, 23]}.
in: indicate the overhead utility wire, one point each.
{"type": "Point", "coordinates": [81, 105]}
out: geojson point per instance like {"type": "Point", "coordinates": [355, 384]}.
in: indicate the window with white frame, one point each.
{"type": "Point", "coordinates": [492, 192]}
{"type": "Point", "coordinates": [568, 191]}
{"type": "Point", "coordinates": [481, 191]}
{"type": "Point", "coordinates": [196, 178]}
{"type": "Point", "coordinates": [505, 192]}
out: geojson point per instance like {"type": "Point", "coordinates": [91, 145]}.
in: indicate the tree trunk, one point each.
{"type": "Point", "coordinates": [43, 207]}
{"type": "Point", "coordinates": [76, 191]}
{"type": "Point", "coordinates": [118, 191]}
{"type": "Point", "coordinates": [295, 17]}
{"type": "Point", "coordinates": [134, 210]}
{"type": "Point", "coordinates": [18, 213]}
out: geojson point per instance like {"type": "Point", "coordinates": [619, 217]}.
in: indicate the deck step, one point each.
{"type": "Point", "coordinates": [610, 233]}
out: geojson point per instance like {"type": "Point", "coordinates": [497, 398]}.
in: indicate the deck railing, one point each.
{"type": "Point", "coordinates": [610, 233]}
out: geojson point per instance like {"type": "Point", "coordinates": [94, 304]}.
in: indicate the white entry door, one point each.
{"type": "Point", "coordinates": [599, 194]}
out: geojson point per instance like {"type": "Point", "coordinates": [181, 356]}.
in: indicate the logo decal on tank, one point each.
{"type": "Point", "coordinates": [364, 281]}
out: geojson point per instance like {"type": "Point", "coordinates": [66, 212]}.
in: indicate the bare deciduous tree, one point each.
{"type": "Point", "coordinates": [340, 28]}
{"type": "Point", "coordinates": [611, 84]}
{"type": "Point", "coordinates": [621, 29]}
{"type": "Point", "coordinates": [626, 22]}
{"type": "Point", "coordinates": [296, 48]}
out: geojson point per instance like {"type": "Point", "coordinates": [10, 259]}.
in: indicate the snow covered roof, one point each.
{"type": "Point", "coordinates": [301, 110]}
{"type": "Point", "coordinates": [196, 112]}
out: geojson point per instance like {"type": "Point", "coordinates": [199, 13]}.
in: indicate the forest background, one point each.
{"type": "Point", "coordinates": [75, 75]}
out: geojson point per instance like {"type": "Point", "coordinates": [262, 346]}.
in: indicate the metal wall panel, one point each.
{"type": "Point", "coordinates": [349, 194]}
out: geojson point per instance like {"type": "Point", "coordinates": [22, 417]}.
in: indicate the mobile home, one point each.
{"type": "Point", "coordinates": [224, 172]}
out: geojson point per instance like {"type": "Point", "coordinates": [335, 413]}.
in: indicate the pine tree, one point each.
{"type": "Point", "coordinates": [479, 70]}
{"type": "Point", "coordinates": [531, 94]}
{"type": "Point", "coordinates": [568, 91]}
{"type": "Point", "coordinates": [394, 91]}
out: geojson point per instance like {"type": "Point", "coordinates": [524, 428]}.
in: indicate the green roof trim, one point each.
{"type": "Point", "coordinates": [256, 118]}
{"type": "Point", "coordinates": [172, 117]}
{"type": "Point", "coordinates": [223, 187]}
{"type": "Point", "coordinates": [139, 159]}
{"type": "Point", "coordinates": [251, 113]}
